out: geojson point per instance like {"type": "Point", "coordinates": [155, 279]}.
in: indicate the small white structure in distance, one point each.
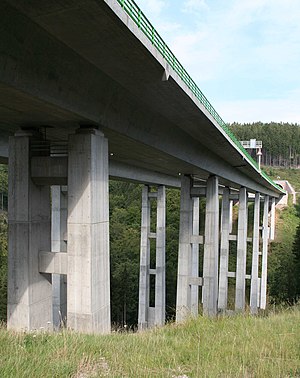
{"type": "Point", "coordinates": [289, 191]}
{"type": "Point", "coordinates": [253, 144]}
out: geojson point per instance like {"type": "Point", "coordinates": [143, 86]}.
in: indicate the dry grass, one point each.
{"type": "Point", "coordinates": [239, 346]}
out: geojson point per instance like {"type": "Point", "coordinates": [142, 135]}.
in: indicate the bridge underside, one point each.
{"type": "Point", "coordinates": [85, 62]}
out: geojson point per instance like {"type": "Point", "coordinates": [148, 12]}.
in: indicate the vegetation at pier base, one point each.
{"type": "Point", "coordinates": [237, 346]}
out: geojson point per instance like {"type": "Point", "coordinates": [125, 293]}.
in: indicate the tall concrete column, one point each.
{"type": "Point", "coordinates": [152, 316]}
{"type": "Point", "coordinates": [29, 292]}
{"type": "Point", "coordinates": [224, 251]}
{"type": "Point", "coordinates": [211, 248]}
{"type": "Point", "coordinates": [160, 269]}
{"type": "Point", "coordinates": [254, 290]}
{"type": "Point", "coordinates": [230, 215]}
{"type": "Point", "coordinates": [265, 240]}
{"type": "Point", "coordinates": [195, 257]}
{"type": "Point", "coordinates": [183, 302]}
{"type": "Point", "coordinates": [59, 203]}
{"type": "Point", "coordinates": [241, 251]}
{"type": "Point", "coordinates": [144, 286]}
{"type": "Point", "coordinates": [88, 232]}
{"type": "Point", "coordinates": [272, 215]}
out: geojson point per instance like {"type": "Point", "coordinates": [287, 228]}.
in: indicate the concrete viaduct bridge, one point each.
{"type": "Point", "coordinates": [90, 91]}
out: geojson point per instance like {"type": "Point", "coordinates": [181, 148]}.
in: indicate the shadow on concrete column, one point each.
{"type": "Point", "coordinates": [29, 292]}
{"type": "Point", "coordinates": [226, 226]}
{"type": "Point", "coordinates": [59, 204]}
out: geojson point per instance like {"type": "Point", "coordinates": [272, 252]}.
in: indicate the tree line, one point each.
{"type": "Point", "coordinates": [281, 141]}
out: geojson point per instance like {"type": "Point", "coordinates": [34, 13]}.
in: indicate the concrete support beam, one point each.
{"type": "Point", "coordinates": [58, 244]}
{"type": "Point", "coordinates": [183, 302]}
{"type": "Point", "coordinates": [254, 290]}
{"type": "Point", "coordinates": [224, 251]}
{"type": "Point", "coordinates": [53, 262]}
{"type": "Point", "coordinates": [53, 170]}
{"type": "Point", "coordinates": [211, 248]}
{"type": "Point", "coordinates": [152, 316]}
{"type": "Point", "coordinates": [272, 215]}
{"type": "Point", "coordinates": [265, 239]}
{"type": "Point", "coordinates": [88, 233]}
{"type": "Point", "coordinates": [49, 170]}
{"type": "Point", "coordinates": [241, 251]}
{"type": "Point", "coordinates": [29, 292]}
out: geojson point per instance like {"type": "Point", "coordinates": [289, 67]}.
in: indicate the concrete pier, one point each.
{"type": "Point", "coordinates": [265, 240]}
{"type": "Point", "coordinates": [241, 251]}
{"type": "Point", "coordinates": [88, 232]}
{"type": "Point", "coordinates": [195, 257]}
{"type": "Point", "coordinates": [144, 285]}
{"type": "Point", "coordinates": [211, 248]}
{"type": "Point", "coordinates": [254, 290]}
{"type": "Point", "coordinates": [160, 269]}
{"type": "Point", "coordinates": [150, 316]}
{"type": "Point", "coordinates": [183, 301]}
{"type": "Point", "coordinates": [59, 204]}
{"type": "Point", "coordinates": [29, 292]}
{"type": "Point", "coordinates": [226, 226]}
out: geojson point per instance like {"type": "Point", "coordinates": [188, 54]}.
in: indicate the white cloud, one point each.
{"type": "Point", "coordinates": [153, 7]}
{"type": "Point", "coordinates": [157, 13]}
{"type": "Point", "coordinates": [193, 6]}
{"type": "Point", "coordinates": [248, 50]}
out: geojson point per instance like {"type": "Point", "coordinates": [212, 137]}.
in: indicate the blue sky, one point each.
{"type": "Point", "coordinates": [243, 54]}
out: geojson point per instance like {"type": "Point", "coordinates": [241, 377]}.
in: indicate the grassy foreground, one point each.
{"type": "Point", "coordinates": [239, 346]}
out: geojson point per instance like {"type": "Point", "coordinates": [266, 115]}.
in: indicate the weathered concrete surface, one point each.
{"type": "Point", "coordinates": [160, 269]}
{"type": "Point", "coordinates": [264, 264]}
{"type": "Point", "coordinates": [195, 256]}
{"type": "Point", "coordinates": [183, 301]}
{"type": "Point", "coordinates": [53, 170]}
{"type": "Point", "coordinates": [29, 292]}
{"type": "Point", "coordinates": [211, 249]}
{"type": "Point", "coordinates": [59, 207]}
{"type": "Point", "coordinates": [240, 286]}
{"type": "Point", "coordinates": [149, 316]}
{"type": "Point", "coordinates": [88, 233]}
{"type": "Point", "coordinates": [144, 280]}
{"type": "Point", "coordinates": [224, 250]}
{"type": "Point", "coordinates": [254, 290]}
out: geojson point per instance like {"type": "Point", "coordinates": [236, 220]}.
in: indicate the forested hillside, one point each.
{"type": "Point", "coordinates": [281, 141]}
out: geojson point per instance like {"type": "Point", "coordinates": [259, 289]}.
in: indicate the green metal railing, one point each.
{"type": "Point", "coordinates": [135, 13]}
